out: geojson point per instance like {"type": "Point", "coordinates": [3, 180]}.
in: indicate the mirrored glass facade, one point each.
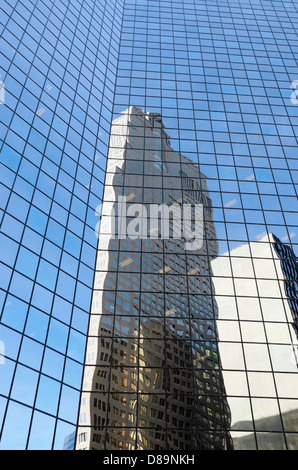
{"type": "Point", "coordinates": [134, 340]}
{"type": "Point", "coordinates": [58, 68]}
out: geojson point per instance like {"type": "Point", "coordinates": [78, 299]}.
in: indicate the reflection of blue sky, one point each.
{"type": "Point", "coordinates": [41, 435]}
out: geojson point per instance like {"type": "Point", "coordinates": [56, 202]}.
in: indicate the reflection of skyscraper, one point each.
{"type": "Point", "coordinates": [152, 377]}
{"type": "Point", "coordinates": [255, 287]}
{"type": "Point", "coordinates": [288, 263]}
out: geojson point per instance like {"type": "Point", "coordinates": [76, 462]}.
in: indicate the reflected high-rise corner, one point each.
{"type": "Point", "coordinates": [153, 376]}
{"type": "Point", "coordinates": [256, 292]}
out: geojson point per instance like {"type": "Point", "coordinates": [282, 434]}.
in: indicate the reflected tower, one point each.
{"type": "Point", "coordinates": [153, 376]}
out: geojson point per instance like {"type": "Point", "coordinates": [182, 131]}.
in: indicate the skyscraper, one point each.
{"type": "Point", "coordinates": [221, 77]}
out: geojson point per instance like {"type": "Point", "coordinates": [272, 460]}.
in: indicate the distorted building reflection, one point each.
{"type": "Point", "coordinates": [256, 292]}
{"type": "Point", "coordinates": [153, 376]}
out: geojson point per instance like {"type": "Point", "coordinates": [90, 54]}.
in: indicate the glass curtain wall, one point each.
{"type": "Point", "coordinates": [222, 76]}
{"type": "Point", "coordinates": [57, 68]}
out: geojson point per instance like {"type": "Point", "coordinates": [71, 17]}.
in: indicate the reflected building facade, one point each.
{"type": "Point", "coordinates": [289, 267]}
{"type": "Point", "coordinates": [153, 377]}
{"type": "Point", "coordinates": [258, 342]}
{"type": "Point", "coordinates": [218, 325]}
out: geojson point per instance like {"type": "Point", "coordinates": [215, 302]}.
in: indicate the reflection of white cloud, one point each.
{"type": "Point", "coordinates": [250, 178]}
{"type": "Point", "coordinates": [2, 353]}
{"type": "Point", "coordinates": [286, 238]}
{"type": "Point", "coordinates": [2, 93]}
{"type": "Point", "coordinates": [40, 112]}
{"type": "Point", "coordinates": [231, 203]}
